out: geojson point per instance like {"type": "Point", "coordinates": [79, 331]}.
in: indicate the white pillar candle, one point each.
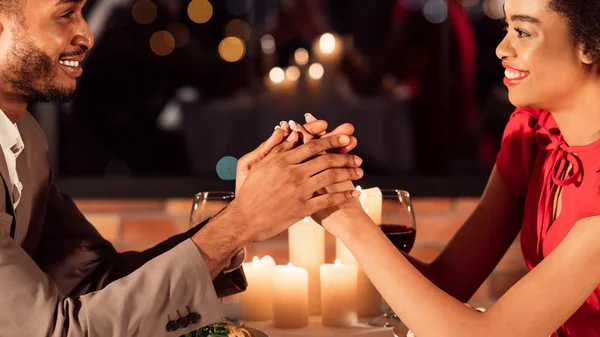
{"type": "Point", "coordinates": [307, 250]}
{"type": "Point", "coordinates": [371, 200]}
{"type": "Point", "coordinates": [290, 297]}
{"type": "Point", "coordinates": [338, 294]}
{"type": "Point", "coordinates": [367, 297]}
{"type": "Point", "coordinates": [256, 302]}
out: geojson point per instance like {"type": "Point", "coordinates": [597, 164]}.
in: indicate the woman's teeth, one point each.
{"type": "Point", "coordinates": [515, 75]}
{"type": "Point", "coordinates": [68, 63]}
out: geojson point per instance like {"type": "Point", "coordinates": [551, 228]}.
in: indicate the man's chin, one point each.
{"type": "Point", "coordinates": [54, 96]}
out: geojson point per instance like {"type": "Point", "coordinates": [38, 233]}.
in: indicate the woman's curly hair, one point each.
{"type": "Point", "coordinates": [583, 17]}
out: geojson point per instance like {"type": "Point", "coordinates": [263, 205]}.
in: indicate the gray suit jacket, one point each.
{"type": "Point", "coordinates": [59, 277]}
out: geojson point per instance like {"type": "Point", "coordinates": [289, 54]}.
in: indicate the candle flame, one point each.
{"type": "Point", "coordinates": [255, 260]}
{"type": "Point", "coordinates": [338, 262]}
{"type": "Point", "coordinates": [290, 265]}
{"type": "Point", "coordinates": [267, 261]}
{"type": "Point", "coordinates": [327, 43]}
{"type": "Point", "coordinates": [358, 188]}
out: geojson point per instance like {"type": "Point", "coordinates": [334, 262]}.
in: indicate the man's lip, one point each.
{"type": "Point", "coordinates": [79, 58]}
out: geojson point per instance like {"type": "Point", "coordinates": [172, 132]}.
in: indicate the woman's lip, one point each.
{"type": "Point", "coordinates": [508, 66]}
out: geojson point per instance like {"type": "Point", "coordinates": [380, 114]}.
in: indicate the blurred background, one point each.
{"type": "Point", "coordinates": [172, 87]}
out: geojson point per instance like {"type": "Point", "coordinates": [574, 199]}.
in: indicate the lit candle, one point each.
{"type": "Point", "coordinates": [328, 49]}
{"type": "Point", "coordinates": [282, 84]}
{"type": "Point", "coordinates": [256, 302]}
{"type": "Point", "coordinates": [290, 297]}
{"type": "Point", "coordinates": [367, 297]}
{"type": "Point", "coordinates": [338, 294]}
{"type": "Point", "coordinates": [371, 200]}
{"type": "Point", "coordinates": [307, 250]}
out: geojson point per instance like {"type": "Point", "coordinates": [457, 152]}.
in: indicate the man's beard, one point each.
{"type": "Point", "coordinates": [30, 72]}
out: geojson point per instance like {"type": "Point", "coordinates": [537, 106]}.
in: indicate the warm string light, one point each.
{"type": "Point", "coordinates": [162, 43]}
{"type": "Point", "coordinates": [232, 49]}
{"type": "Point", "coordinates": [144, 12]}
{"type": "Point", "coordinates": [200, 11]}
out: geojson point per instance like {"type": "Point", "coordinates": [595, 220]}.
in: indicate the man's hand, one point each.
{"type": "Point", "coordinates": [282, 131]}
{"type": "Point", "coordinates": [333, 217]}
{"type": "Point", "coordinates": [280, 189]}
{"type": "Point", "coordinates": [246, 163]}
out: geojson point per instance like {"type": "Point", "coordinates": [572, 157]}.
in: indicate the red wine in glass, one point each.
{"type": "Point", "coordinates": [402, 236]}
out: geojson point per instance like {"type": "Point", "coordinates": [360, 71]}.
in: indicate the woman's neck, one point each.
{"type": "Point", "coordinates": [579, 120]}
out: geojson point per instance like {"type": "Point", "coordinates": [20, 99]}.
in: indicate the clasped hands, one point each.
{"type": "Point", "coordinates": [300, 171]}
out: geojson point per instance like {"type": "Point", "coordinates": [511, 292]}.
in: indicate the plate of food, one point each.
{"type": "Point", "coordinates": [225, 330]}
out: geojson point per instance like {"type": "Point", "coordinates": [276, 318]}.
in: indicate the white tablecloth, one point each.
{"type": "Point", "coordinates": [315, 329]}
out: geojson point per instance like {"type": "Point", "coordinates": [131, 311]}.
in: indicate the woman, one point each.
{"type": "Point", "coordinates": [546, 185]}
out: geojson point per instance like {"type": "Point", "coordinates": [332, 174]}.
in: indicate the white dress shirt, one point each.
{"type": "Point", "coordinates": [12, 145]}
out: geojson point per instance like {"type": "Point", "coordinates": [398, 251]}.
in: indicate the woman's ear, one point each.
{"type": "Point", "coordinates": [585, 56]}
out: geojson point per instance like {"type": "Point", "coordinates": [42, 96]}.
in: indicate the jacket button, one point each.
{"type": "Point", "coordinates": [182, 322]}
{"type": "Point", "coordinates": [172, 326]}
{"type": "Point", "coordinates": [194, 318]}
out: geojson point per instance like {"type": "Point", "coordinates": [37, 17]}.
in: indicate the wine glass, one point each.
{"type": "Point", "coordinates": [209, 204]}
{"type": "Point", "coordinates": [205, 206]}
{"type": "Point", "coordinates": [398, 224]}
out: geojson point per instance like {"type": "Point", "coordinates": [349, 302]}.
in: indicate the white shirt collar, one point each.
{"type": "Point", "coordinates": [10, 138]}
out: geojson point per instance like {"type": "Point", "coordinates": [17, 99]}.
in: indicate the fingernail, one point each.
{"type": "Point", "coordinates": [344, 140]}
{"type": "Point", "coordinates": [355, 194]}
{"type": "Point", "coordinates": [358, 171]}
{"type": "Point", "coordinates": [282, 123]}
{"type": "Point", "coordinates": [277, 127]}
{"type": "Point", "coordinates": [357, 160]}
{"type": "Point", "coordinates": [293, 124]}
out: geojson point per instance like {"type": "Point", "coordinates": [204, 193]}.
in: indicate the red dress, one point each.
{"type": "Point", "coordinates": [534, 161]}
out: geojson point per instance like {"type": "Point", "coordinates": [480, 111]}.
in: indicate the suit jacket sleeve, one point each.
{"type": "Point", "coordinates": [80, 261]}
{"type": "Point", "coordinates": [140, 304]}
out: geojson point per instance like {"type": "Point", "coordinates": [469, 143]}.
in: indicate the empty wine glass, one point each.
{"type": "Point", "coordinates": [208, 204]}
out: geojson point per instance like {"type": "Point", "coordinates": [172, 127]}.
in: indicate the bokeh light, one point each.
{"type": "Point", "coordinates": [238, 7]}
{"type": "Point", "coordinates": [180, 32]}
{"type": "Point", "coordinates": [277, 75]}
{"type": "Point", "coordinates": [227, 167]}
{"type": "Point", "coordinates": [301, 56]}
{"type": "Point", "coordinates": [267, 44]}
{"type": "Point", "coordinates": [327, 43]}
{"type": "Point", "coordinates": [238, 28]}
{"type": "Point", "coordinates": [469, 3]}
{"type": "Point", "coordinates": [292, 73]}
{"type": "Point", "coordinates": [144, 12]}
{"type": "Point", "coordinates": [316, 71]}
{"type": "Point", "coordinates": [162, 43]}
{"type": "Point", "coordinates": [494, 8]}
{"type": "Point", "coordinates": [232, 49]}
{"type": "Point", "coordinates": [200, 11]}
{"type": "Point", "coordinates": [436, 11]}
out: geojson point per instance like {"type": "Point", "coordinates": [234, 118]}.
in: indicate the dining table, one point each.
{"type": "Point", "coordinates": [316, 329]}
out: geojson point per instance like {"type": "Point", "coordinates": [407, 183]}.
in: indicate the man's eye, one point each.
{"type": "Point", "coordinates": [68, 15]}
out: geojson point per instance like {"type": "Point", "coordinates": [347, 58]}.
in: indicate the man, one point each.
{"type": "Point", "coordinates": [58, 276]}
